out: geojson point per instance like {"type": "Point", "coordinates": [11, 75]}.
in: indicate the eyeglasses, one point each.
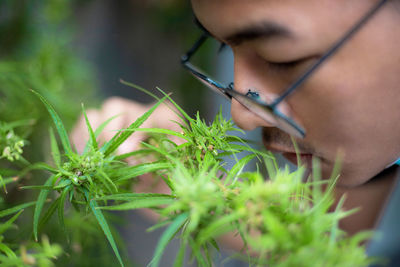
{"type": "Point", "coordinates": [269, 111]}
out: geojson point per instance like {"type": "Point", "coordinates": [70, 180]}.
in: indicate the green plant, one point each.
{"type": "Point", "coordinates": [30, 253]}
{"type": "Point", "coordinates": [284, 220]}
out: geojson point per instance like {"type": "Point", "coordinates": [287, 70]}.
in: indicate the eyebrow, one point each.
{"type": "Point", "coordinates": [261, 30]}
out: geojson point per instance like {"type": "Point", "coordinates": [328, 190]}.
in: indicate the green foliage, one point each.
{"type": "Point", "coordinates": [11, 144]}
{"type": "Point", "coordinates": [284, 220]}
{"type": "Point", "coordinates": [31, 254]}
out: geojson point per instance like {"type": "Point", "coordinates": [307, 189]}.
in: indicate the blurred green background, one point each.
{"type": "Point", "coordinates": [76, 51]}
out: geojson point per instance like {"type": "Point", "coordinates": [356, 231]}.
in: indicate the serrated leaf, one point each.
{"type": "Point", "coordinates": [39, 187]}
{"type": "Point", "coordinates": [61, 205]}
{"type": "Point", "coordinates": [153, 202]}
{"type": "Point", "coordinates": [39, 206]}
{"type": "Point", "coordinates": [133, 153]}
{"type": "Point", "coordinates": [108, 180]}
{"type": "Point", "coordinates": [39, 166]}
{"type": "Point", "coordinates": [120, 137]}
{"type": "Point", "coordinates": [175, 105]}
{"type": "Point", "coordinates": [99, 130]}
{"type": "Point", "coordinates": [161, 131]}
{"type": "Point", "coordinates": [134, 196]}
{"type": "Point", "coordinates": [158, 150]}
{"type": "Point", "coordinates": [7, 224]}
{"type": "Point", "coordinates": [140, 169]}
{"type": "Point", "coordinates": [217, 228]}
{"type": "Point", "coordinates": [92, 135]}
{"type": "Point", "coordinates": [104, 226]}
{"type": "Point", "coordinates": [238, 168]}
{"type": "Point", "coordinates": [54, 149]}
{"type": "Point", "coordinates": [6, 181]}
{"type": "Point", "coordinates": [180, 256]}
{"type": "Point", "coordinates": [49, 212]}
{"type": "Point", "coordinates": [2, 183]}
{"type": "Point", "coordinates": [9, 253]}
{"type": "Point", "coordinates": [63, 184]}
{"type": "Point", "coordinates": [166, 237]}
{"type": "Point", "coordinates": [17, 208]}
{"type": "Point", "coordinates": [58, 123]}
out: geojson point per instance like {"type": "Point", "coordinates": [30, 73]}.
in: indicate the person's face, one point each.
{"type": "Point", "coordinates": [350, 105]}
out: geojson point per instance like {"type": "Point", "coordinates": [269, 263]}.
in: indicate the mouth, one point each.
{"type": "Point", "coordinates": [303, 158]}
{"type": "Point", "coordinates": [276, 141]}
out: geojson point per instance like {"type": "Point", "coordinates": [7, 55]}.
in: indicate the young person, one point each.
{"type": "Point", "coordinates": [347, 103]}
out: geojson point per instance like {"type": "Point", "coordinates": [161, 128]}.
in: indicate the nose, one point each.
{"type": "Point", "coordinates": [248, 75]}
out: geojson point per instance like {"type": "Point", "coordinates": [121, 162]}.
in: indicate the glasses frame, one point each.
{"type": "Point", "coordinates": [254, 104]}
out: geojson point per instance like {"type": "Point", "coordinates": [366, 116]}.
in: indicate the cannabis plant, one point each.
{"type": "Point", "coordinates": [285, 220]}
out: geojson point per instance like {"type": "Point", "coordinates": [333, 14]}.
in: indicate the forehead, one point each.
{"type": "Point", "coordinates": [306, 18]}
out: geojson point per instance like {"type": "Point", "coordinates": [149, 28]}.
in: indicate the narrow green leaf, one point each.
{"type": "Point", "coordinates": [166, 237]}
{"type": "Point", "coordinates": [176, 105]}
{"type": "Point", "coordinates": [54, 149]}
{"type": "Point", "coordinates": [158, 150]}
{"type": "Point", "coordinates": [140, 169]}
{"type": "Point", "coordinates": [134, 153]}
{"type": "Point", "coordinates": [39, 206]}
{"type": "Point", "coordinates": [134, 196]}
{"type": "Point", "coordinates": [215, 244]}
{"type": "Point", "coordinates": [58, 123]}
{"type": "Point", "coordinates": [238, 167]}
{"type": "Point", "coordinates": [19, 123]}
{"type": "Point", "coordinates": [180, 256]}
{"type": "Point", "coordinates": [158, 225]}
{"type": "Point", "coordinates": [8, 172]}
{"type": "Point", "coordinates": [9, 253]}
{"type": "Point", "coordinates": [107, 179]}
{"type": "Point", "coordinates": [40, 187]}
{"type": "Point", "coordinates": [93, 140]}
{"type": "Point", "coordinates": [17, 208]}
{"type": "Point", "coordinates": [217, 228]}
{"type": "Point", "coordinates": [7, 224]}
{"type": "Point", "coordinates": [39, 166]}
{"type": "Point", "coordinates": [153, 202]}
{"type": "Point", "coordinates": [63, 184]}
{"type": "Point", "coordinates": [47, 215]}
{"type": "Point", "coordinates": [104, 226]}
{"type": "Point", "coordinates": [3, 184]}
{"type": "Point", "coordinates": [61, 205]}
{"type": "Point", "coordinates": [160, 131]}
{"type": "Point", "coordinates": [104, 125]}
{"type": "Point", "coordinates": [6, 181]}
{"type": "Point", "coordinates": [196, 252]}
{"type": "Point", "coordinates": [120, 137]}
{"type": "Point", "coordinates": [99, 130]}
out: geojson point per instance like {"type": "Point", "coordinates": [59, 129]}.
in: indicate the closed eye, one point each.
{"type": "Point", "coordinates": [289, 65]}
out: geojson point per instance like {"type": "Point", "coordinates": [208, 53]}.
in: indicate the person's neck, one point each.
{"type": "Point", "coordinates": [370, 197]}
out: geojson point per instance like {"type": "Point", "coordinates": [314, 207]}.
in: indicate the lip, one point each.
{"type": "Point", "coordinates": [292, 156]}
{"type": "Point", "coordinates": [305, 159]}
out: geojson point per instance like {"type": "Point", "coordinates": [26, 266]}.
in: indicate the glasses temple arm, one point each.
{"type": "Point", "coordinates": [186, 57]}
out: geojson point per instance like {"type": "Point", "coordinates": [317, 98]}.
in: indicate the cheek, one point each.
{"type": "Point", "coordinates": [355, 113]}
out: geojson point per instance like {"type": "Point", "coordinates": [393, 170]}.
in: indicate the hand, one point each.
{"type": "Point", "coordinates": [127, 112]}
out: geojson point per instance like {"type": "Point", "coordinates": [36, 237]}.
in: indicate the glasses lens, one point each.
{"type": "Point", "coordinates": [270, 115]}
{"type": "Point", "coordinates": [213, 85]}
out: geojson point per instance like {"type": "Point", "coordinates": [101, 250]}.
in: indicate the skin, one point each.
{"type": "Point", "coordinates": [348, 107]}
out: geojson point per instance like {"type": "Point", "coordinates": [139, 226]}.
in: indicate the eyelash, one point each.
{"type": "Point", "coordinates": [277, 66]}
{"type": "Point", "coordinates": [285, 66]}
